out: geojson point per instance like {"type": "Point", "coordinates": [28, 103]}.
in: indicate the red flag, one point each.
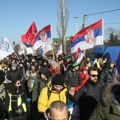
{"type": "Point", "coordinates": [29, 38]}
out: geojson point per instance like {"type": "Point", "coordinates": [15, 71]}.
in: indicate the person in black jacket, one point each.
{"type": "Point", "coordinates": [110, 107]}
{"type": "Point", "coordinates": [3, 112]}
{"type": "Point", "coordinates": [14, 74]}
{"type": "Point", "coordinates": [88, 96]}
{"type": "Point", "coordinates": [72, 77]}
{"type": "Point", "coordinates": [106, 76]}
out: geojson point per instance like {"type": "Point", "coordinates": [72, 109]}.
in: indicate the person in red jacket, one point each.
{"type": "Point", "coordinates": [85, 65]}
{"type": "Point", "coordinates": [55, 68]}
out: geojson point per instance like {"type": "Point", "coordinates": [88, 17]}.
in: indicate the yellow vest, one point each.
{"type": "Point", "coordinates": [19, 102]}
{"type": "Point", "coordinates": [98, 64]}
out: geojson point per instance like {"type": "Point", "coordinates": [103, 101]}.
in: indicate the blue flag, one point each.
{"type": "Point", "coordinates": [118, 64]}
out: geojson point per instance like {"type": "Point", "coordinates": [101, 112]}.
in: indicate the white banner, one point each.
{"type": "Point", "coordinates": [5, 48]}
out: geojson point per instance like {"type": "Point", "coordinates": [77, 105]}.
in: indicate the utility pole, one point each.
{"type": "Point", "coordinates": [76, 26]}
{"type": "Point", "coordinates": [84, 21]}
{"type": "Point", "coordinates": [103, 12]}
{"type": "Point", "coordinates": [63, 24]}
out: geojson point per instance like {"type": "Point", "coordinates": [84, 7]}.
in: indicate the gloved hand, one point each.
{"type": "Point", "coordinates": [28, 99]}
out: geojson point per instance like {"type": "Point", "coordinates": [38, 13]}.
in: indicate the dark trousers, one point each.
{"type": "Point", "coordinates": [20, 117]}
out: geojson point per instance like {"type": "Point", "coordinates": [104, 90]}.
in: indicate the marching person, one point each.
{"type": "Point", "coordinates": [88, 96]}
{"type": "Point", "coordinates": [56, 90]}
{"type": "Point", "coordinates": [15, 101]}
{"type": "Point", "coordinates": [110, 107]}
{"type": "Point", "coordinates": [58, 111]}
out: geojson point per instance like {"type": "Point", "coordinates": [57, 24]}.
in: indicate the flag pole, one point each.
{"type": "Point", "coordinates": [52, 44]}
{"type": "Point", "coordinates": [84, 23]}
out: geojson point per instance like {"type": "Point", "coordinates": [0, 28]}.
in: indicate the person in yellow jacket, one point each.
{"type": "Point", "coordinates": [55, 90]}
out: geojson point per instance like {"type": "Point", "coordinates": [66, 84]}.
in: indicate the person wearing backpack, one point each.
{"type": "Point", "coordinates": [45, 78]}
{"type": "Point", "coordinates": [55, 90]}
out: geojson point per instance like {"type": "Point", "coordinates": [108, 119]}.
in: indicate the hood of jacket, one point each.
{"type": "Point", "coordinates": [107, 94]}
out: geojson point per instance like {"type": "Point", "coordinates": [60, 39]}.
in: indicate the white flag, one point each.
{"type": "Point", "coordinates": [22, 50]}
{"type": "Point", "coordinates": [46, 47]}
{"type": "Point", "coordinates": [29, 50]}
{"type": "Point", "coordinates": [5, 48]}
{"type": "Point", "coordinates": [60, 50]}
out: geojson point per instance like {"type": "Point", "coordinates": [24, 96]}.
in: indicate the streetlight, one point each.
{"type": "Point", "coordinates": [84, 21]}
{"type": "Point", "coordinates": [76, 24]}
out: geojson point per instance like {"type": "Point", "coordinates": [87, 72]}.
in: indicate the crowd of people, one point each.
{"type": "Point", "coordinates": [34, 87]}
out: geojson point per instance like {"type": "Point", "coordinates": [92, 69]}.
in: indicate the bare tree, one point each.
{"type": "Point", "coordinates": [110, 31]}
{"type": "Point", "coordinates": [16, 48]}
{"type": "Point", "coordinates": [112, 37]}
{"type": "Point", "coordinates": [62, 16]}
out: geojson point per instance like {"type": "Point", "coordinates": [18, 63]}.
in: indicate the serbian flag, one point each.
{"type": "Point", "coordinates": [29, 38]}
{"type": "Point", "coordinates": [88, 37]}
{"type": "Point", "coordinates": [43, 37]}
{"type": "Point", "coordinates": [79, 55]}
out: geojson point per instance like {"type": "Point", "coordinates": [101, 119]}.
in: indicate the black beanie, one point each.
{"type": "Point", "coordinates": [58, 80]}
{"type": "Point", "coordinates": [106, 55]}
{"type": "Point", "coordinates": [46, 72]}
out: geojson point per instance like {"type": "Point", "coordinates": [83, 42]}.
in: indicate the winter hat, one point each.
{"type": "Point", "coordinates": [75, 64]}
{"type": "Point", "coordinates": [45, 62]}
{"type": "Point", "coordinates": [66, 57]}
{"type": "Point", "coordinates": [46, 72]}
{"type": "Point", "coordinates": [98, 56]}
{"type": "Point", "coordinates": [58, 80]}
{"type": "Point", "coordinates": [106, 55]}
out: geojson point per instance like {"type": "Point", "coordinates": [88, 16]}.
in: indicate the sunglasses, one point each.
{"type": "Point", "coordinates": [94, 75]}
